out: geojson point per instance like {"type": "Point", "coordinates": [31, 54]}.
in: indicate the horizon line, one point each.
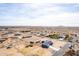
{"type": "Point", "coordinates": [32, 26]}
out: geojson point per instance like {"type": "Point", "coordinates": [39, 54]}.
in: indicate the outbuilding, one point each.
{"type": "Point", "coordinates": [46, 44]}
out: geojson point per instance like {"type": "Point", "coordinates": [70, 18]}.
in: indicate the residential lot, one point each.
{"type": "Point", "coordinates": [28, 41]}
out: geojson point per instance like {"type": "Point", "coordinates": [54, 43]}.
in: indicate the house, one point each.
{"type": "Point", "coordinates": [74, 34]}
{"type": "Point", "coordinates": [47, 43]}
{"type": "Point", "coordinates": [61, 37]}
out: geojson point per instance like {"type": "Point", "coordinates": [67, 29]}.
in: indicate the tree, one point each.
{"type": "Point", "coordinates": [54, 36]}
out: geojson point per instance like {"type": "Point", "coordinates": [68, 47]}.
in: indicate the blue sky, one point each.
{"type": "Point", "coordinates": [39, 14]}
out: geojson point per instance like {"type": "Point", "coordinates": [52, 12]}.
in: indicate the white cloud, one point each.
{"type": "Point", "coordinates": [40, 15]}
{"type": "Point", "coordinates": [65, 19]}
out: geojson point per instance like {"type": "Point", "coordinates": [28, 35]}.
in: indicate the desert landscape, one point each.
{"type": "Point", "coordinates": [39, 41]}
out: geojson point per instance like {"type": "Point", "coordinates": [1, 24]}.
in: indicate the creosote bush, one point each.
{"type": "Point", "coordinates": [72, 52]}
{"type": "Point", "coordinates": [54, 36]}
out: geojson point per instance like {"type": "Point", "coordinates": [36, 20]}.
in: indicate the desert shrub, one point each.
{"type": "Point", "coordinates": [27, 46]}
{"type": "Point", "coordinates": [1, 41]}
{"type": "Point", "coordinates": [37, 41]}
{"type": "Point", "coordinates": [77, 41]}
{"type": "Point", "coordinates": [8, 47]}
{"type": "Point", "coordinates": [77, 53]}
{"type": "Point", "coordinates": [31, 42]}
{"type": "Point", "coordinates": [66, 37]}
{"type": "Point", "coordinates": [25, 31]}
{"type": "Point", "coordinates": [30, 45]}
{"type": "Point", "coordinates": [70, 53]}
{"type": "Point", "coordinates": [70, 39]}
{"type": "Point", "coordinates": [54, 36]}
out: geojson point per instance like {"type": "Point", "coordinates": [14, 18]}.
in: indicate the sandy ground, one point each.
{"type": "Point", "coordinates": [19, 44]}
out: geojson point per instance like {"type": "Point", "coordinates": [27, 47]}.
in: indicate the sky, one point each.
{"type": "Point", "coordinates": [39, 14]}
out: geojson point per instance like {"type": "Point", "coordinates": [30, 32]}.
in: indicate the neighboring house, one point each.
{"type": "Point", "coordinates": [61, 37]}
{"type": "Point", "coordinates": [74, 34]}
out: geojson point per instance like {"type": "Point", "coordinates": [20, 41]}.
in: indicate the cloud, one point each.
{"type": "Point", "coordinates": [66, 19]}
{"type": "Point", "coordinates": [39, 14]}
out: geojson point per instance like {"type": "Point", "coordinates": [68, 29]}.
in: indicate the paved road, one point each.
{"type": "Point", "coordinates": [62, 50]}
{"type": "Point", "coordinates": [65, 48]}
